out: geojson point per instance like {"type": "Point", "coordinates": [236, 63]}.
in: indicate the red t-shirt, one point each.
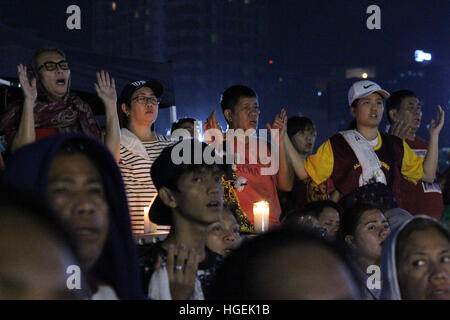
{"type": "Point", "coordinates": [421, 198]}
{"type": "Point", "coordinates": [259, 188]}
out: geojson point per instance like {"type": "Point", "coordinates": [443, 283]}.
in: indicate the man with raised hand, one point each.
{"type": "Point", "coordinates": [404, 112]}
{"type": "Point", "coordinates": [264, 166]}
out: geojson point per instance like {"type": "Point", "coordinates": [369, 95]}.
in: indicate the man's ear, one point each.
{"type": "Point", "coordinates": [124, 108]}
{"type": "Point", "coordinates": [227, 115]}
{"type": "Point", "coordinates": [350, 241]}
{"type": "Point", "coordinates": [393, 114]}
{"type": "Point", "coordinates": [167, 197]}
{"type": "Point", "coordinates": [352, 111]}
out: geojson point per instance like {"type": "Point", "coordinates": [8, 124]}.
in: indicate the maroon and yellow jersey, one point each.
{"type": "Point", "coordinates": [421, 198]}
{"type": "Point", "coordinates": [335, 159]}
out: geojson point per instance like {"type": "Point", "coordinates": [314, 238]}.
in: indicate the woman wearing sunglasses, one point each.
{"type": "Point", "coordinates": [49, 107]}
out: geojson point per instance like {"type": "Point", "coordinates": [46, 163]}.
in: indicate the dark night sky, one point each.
{"type": "Point", "coordinates": [313, 33]}
{"type": "Point", "coordinates": [335, 33]}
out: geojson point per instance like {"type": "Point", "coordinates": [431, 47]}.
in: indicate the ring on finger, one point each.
{"type": "Point", "coordinates": [178, 267]}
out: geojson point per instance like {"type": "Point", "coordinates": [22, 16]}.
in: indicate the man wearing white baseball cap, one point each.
{"type": "Point", "coordinates": [364, 164]}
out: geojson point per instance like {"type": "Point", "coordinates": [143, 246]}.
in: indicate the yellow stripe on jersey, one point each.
{"type": "Point", "coordinates": [319, 166]}
{"type": "Point", "coordinates": [412, 164]}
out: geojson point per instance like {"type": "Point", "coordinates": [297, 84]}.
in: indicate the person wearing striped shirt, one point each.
{"type": "Point", "coordinates": [140, 145]}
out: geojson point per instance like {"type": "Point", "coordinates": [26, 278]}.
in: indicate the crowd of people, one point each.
{"type": "Point", "coordinates": [365, 217]}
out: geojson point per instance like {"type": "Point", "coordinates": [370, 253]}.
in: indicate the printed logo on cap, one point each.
{"type": "Point", "coordinates": [138, 83]}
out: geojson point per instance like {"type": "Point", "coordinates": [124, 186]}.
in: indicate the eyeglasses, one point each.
{"type": "Point", "coordinates": [51, 66]}
{"type": "Point", "coordinates": [145, 100]}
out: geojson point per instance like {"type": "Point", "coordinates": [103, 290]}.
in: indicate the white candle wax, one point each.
{"type": "Point", "coordinates": [261, 216]}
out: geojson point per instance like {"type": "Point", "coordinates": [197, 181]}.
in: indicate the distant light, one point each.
{"type": "Point", "coordinates": [280, 79]}
{"type": "Point", "coordinates": [270, 61]}
{"type": "Point", "coordinates": [364, 75]}
{"type": "Point", "coordinates": [136, 14]}
{"type": "Point", "coordinates": [113, 6]}
{"type": "Point", "coordinates": [319, 93]}
{"type": "Point", "coordinates": [421, 56]}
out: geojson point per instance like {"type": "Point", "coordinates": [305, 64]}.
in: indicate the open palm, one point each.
{"type": "Point", "coordinates": [106, 89]}
{"type": "Point", "coordinates": [28, 87]}
{"type": "Point", "coordinates": [436, 125]}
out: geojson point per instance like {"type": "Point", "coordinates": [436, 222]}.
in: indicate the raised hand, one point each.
{"type": "Point", "coordinates": [29, 88]}
{"type": "Point", "coordinates": [280, 123]}
{"type": "Point", "coordinates": [400, 129]}
{"type": "Point", "coordinates": [106, 89]}
{"type": "Point", "coordinates": [182, 265]}
{"type": "Point", "coordinates": [211, 123]}
{"type": "Point", "coordinates": [436, 125]}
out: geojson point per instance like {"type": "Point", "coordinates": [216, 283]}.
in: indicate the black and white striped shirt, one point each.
{"type": "Point", "coordinates": [136, 159]}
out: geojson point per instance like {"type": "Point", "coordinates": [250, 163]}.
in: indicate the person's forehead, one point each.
{"type": "Point", "coordinates": [428, 239]}
{"type": "Point", "coordinates": [371, 214]}
{"type": "Point", "coordinates": [247, 101]}
{"type": "Point", "coordinates": [75, 164]}
{"type": "Point", "coordinates": [330, 212]}
{"type": "Point", "coordinates": [203, 170]}
{"type": "Point", "coordinates": [49, 56]}
{"type": "Point", "coordinates": [409, 99]}
{"type": "Point", "coordinates": [144, 91]}
{"type": "Point", "coordinates": [187, 125]}
{"type": "Point", "coordinates": [307, 130]}
{"type": "Point", "coordinates": [372, 96]}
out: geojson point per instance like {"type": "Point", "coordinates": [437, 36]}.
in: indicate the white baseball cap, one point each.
{"type": "Point", "coordinates": [364, 88]}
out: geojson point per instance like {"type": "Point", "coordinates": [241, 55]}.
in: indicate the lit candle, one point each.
{"type": "Point", "coordinates": [261, 216]}
{"type": "Point", "coordinates": [147, 226]}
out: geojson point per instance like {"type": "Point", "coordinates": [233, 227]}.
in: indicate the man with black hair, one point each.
{"type": "Point", "coordinates": [241, 110]}
{"type": "Point", "coordinates": [189, 200]}
{"type": "Point", "coordinates": [404, 112]}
